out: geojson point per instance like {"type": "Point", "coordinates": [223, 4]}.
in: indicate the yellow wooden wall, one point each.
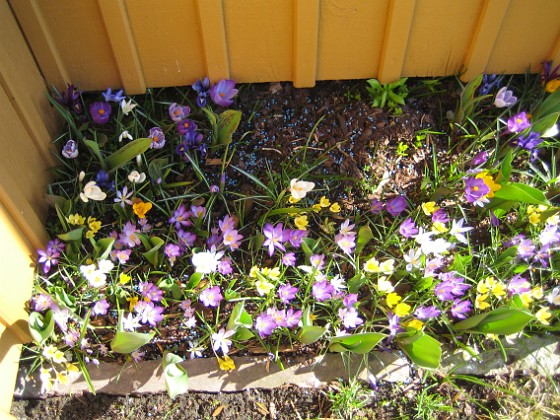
{"type": "Point", "coordinates": [27, 125]}
{"type": "Point", "coordinates": [152, 43]}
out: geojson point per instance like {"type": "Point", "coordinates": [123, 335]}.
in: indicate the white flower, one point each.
{"type": "Point", "coordinates": [457, 230]}
{"type": "Point", "coordinates": [554, 297]}
{"type": "Point", "coordinates": [263, 287]}
{"type": "Point", "coordinates": [97, 279]}
{"type": "Point", "coordinates": [299, 189]}
{"type": "Point", "coordinates": [92, 192]}
{"type": "Point", "coordinates": [220, 340]}
{"type": "Point", "coordinates": [127, 107]}
{"type": "Point", "coordinates": [338, 283]}
{"type": "Point", "coordinates": [87, 270]}
{"type": "Point", "coordinates": [504, 98]}
{"type": "Point", "coordinates": [136, 177]}
{"type": "Point", "coordinates": [413, 259]}
{"type": "Point", "coordinates": [81, 176]}
{"type": "Point", "coordinates": [207, 261]}
{"type": "Point", "coordinates": [105, 266]}
{"type": "Point", "coordinates": [125, 135]}
{"type": "Point", "coordinates": [384, 285]}
{"type": "Point", "coordinates": [436, 247]}
{"type": "Point", "coordinates": [131, 322]}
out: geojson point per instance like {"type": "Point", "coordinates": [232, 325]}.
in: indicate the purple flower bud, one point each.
{"type": "Point", "coordinates": [223, 92]}
{"type": "Point", "coordinates": [70, 150]}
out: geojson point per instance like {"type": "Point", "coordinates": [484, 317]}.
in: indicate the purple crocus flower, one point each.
{"type": "Point", "coordinates": [350, 317]}
{"type": "Point", "coordinates": [350, 300]}
{"type": "Point", "coordinates": [394, 326]}
{"type": "Point", "coordinates": [295, 237]}
{"type": "Point", "coordinates": [265, 324]}
{"type": "Point", "coordinates": [293, 318]}
{"type": "Point", "coordinates": [103, 180]}
{"type": "Point", "coordinates": [192, 140]}
{"type": "Point", "coordinates": [518, 122]}
{"type": "Point", "coordinates": [211, 296]}
{"type": "Point", "coordinates": [460, 309]}
{"type": "Point", "coordinates": [408, 228]}
{"type": "Point", "coordinates": [71, 99]}
{"type": "Point", "coordinates": [109, 96]}
{"type": "Point", "coordinates": [287, 293]}
{"type": "Point", "coordinates": [289, 259]}
{"type": "Point", "coordinates": [223, 92]}
{"type": "Point", "coordinates": [202, 87]}
{"type": "Point", "coordinates": [70, 150]}
{"type": "Point", "coordinates": [479, 159]}
{"type": "Point", "coordinates": [151, 292]}
{"type": "Point", "coordinates": [440, 215]}
{"type": "Point", "coordinates": [100, 112]}
{"type": "Point", "coordinates": [178, 112]}
{"type": "Point", "coordinates": [100, 307]}
{"type": "Point", "coordinates": [317, 261]}
{"type": "Point", "coordinates": [158, 138]}
{"type": "Point", "coordinates": [322, 290]}
{"type": "Point", "coordinates": [549, 235]}
{"type": "Point", "coordinates": [542, 255]}
{"type": "Point", "coordinates": [128, 236]}
{"type": "Point", "coordinates": [186, 239]}
{"type": "Point", "coordinates": [149, 313]}
{"type": "Point", "coordinates": [376, 206]}
{"type": "Point", "coordinates": [186, 125]}
{"type": "Point", "coordinates": [426, 312]}
{"type": "Point", "coordinates": [274, 236]}
{"type": "Point", "coordinates": [48, 258]}
{"type": "Point", "coordinates": [42, 301]}
{"type": "Point", "coordinates": [525, 249]}
{"type": "Point", "coordinates": [518, 285]}
{"type": "Point", "coordinates": [181, 217]}
{"type": "Point", "coordinates": [504, 98]}
{"type": "Point", "coordinates": [396, 206]}
{"type": "Point", "coordinates": [475, 189]}
{"type": "Point", "coordinates": [172, 252]}
{"type": "Point", "coordinates": [224, 266]}
{"type": "Point", "coordinates": [489, 81]}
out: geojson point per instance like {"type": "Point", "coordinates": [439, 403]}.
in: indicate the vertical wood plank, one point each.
{"type": "Point", "coordinates": [306, 39]}
{"type": "Point", "coordinates": [213, 31]}
{"type": "Point", "coordinates": [10, 352]}
{"type": "Point", "coordinates": [397, 30]}
{"type": "Point", "coordinates": [492, 15]}
{"type": "Point", "coordinates": [38, 36]}
{"type": "Point", "coordinates": [118, 28]}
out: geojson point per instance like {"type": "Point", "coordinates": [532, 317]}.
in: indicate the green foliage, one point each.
{"type": "Point", "coordinates": [359, 343]}
{"type": "Point", "coordinates": [392, 95]}
{"type": "Point", "coordinates": [41, 327]}
{"type": "Point", "coordinates": [422, 349]}
{"type": "Point", "coordinates": [175, 375]}
{"type": "Point", "coordinates": [502, 321]}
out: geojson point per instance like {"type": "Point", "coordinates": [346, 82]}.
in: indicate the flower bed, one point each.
{"type": "Point", "coordinates": [174, 238]}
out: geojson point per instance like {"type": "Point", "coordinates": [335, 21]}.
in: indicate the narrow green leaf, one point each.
{"type": "Point", "coordinates": [521, 193]}
{"type": "Point", "coordinates": [228, 121]}
{"type": "Point", "coordinates": [175, 375]}
{"type": "Point", "coordinates": [85, 372]}
{"type": "Point", "coordinates": [194, 280]}
{"type": "Point", "coordinates": [128, 152]}
{"type": "Point", "coordinates": [550, 105]}
{"type": "Point", "coordinates": [72, 236]}
{"type": "Point", "coordinates": [102, 248]}
{"type": "Point", "coordinates": [542, 125]}
{"type": "Point", "coordinates": [422, 349]}
{"type": "Point", "coordinates": [94, 147]}
{"type": "Point", "coordinates": [152, 256]}
{"type": "Point", "coordinates": [501, 321]}
{"type": "Point", "coordinates": [365, 235]}
{"type": "Point", "coordinates": [356, 343]}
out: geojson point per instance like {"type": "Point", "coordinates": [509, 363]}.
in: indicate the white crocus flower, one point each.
{"type": "Point", "coordinates": [299, 189]}
{"type": "Point", "coordinates": [457, 230]}
{"type": "Point", "coordinates": [413, 259]}
{"type": "Point", "coordinates": [220, 340]}
{"type": "Point", "coordinates": [125, 135]}
{"type": "Point", "coordinates": [92, 192]}
{"type": "Point", "coordinates": [136, 177]}
{"type": "Point", "coordinates": [207, 261]}
{"type": "Point", "coordinates": [127, 107]}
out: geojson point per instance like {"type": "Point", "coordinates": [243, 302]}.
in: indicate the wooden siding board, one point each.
{"type": "Point", "coordinates": [306, 37]}
{"type": "Point", "coordinates": [169, 41]}
{"type": "Point", "coordinates": [80, 36]}
{"type": "Point", "coordinates": [351, 36]}
{"type": "Point", "coordinates": [116, 21]}
{"type": "Point", "coordinates": [527, 36]}
{"type": "Point", "coordinates": [213, 32]}
{"type": "Point", "coordinates": [260, 39]}
{"type": "Point", "coordinates": [439, 36]}
{"type": "Point", "coordinates": [10, 352]}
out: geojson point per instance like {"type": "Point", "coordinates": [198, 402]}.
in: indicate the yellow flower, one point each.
{"type": "Point", "coordinates": [392, 299]}
{"type": "Point", "coordinates": [124, 278]}
{"type": "Point", "coordinates": [253, 272]}
{"type": "Point", "coordinates": [440, 227]}
{"type": "Point", "coordinates": [271, 273]}
{"type": "Point", "coordinates": [49, 351]}
{"type": "Point", "coordinates": [76, 219]}
{"type": "Point", "coordinates": [59, 357]}
{"type": "Point", "coordinates": [263, 287]}
{"type": "Point", "coordinates": [316, 207]}
{"type": "Point", "coordinates": [301, 222]}
{"type": "Point", "coordinates": [402, 309]}
{"type": "Point", "coordinates": [132, 303]}
{"type": "Point", "coordinates": [324, 202]}
{"type": "Point", "coordinates": [140, 208]}
{"type": "Point", "coordinates": [335, 208]}
{"type": "Point", "coordinates": [226, 363]}
{"type": "Point", "coordinates": [293, 200]}
{"type": "Point", "coordinates": [388, 266]}
{"type": "Point", "coordinates": [544, 315]}
{"type": "Point", "coordinates": [429, 208]}
{"type": "Point", "coordinates": [531, 209]}
{"type": "Point", "coordinates": [526, 299]}
{"type": "Point", "coordinates": [537, 292]}
{"type": "Point", "coordinates": [384, 285]}
{"type": "Point", "coordinates": [90, 234]}
{"type": "Point", "coordinates": [413, 323]}
{"type": "Point", "coordinates": [94, 224]}
{"type": "Point", "coordinates": [480, 301]}
{"type": "Point", "coordinates": [552, 86]}
{"type": "Point", "coordinates": [498, 289]}
{"type": "Point", "coordinates": [490, 183]}
{"type": "Point", "coordinates": [62, 378]}
{"type": "Point", "coordinates": [372, 266]}
{"type": "Point", "coordinates": [535, 218]}
{"type": "Point", "coordinates": [70, 367]}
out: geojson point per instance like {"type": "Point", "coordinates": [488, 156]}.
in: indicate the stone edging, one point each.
{"type": "Point", "coordinates": [540, 354]}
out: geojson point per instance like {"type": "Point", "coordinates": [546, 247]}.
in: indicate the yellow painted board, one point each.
{"type": "Point", "coordinates": [351, 34]}
{"type": "Point", "coordinates": [9, 360]}
{"type": "Point", "coordinates": [38, 35]}
{"type": "Point", "coordinates": [260, 41]}
{"type": "Point", "coordinates": [440, 34]}
{"type": "Point", "coordinates": [117, 24]}
{"type": "Point", "coordinates": [306, 37]}
{"type": "Point", "coordinates": [527, 36]}
{"type": "Point", "coordinates": [213, 32]}
{"type": "Point", "coordinates": [24, 84]}
{"type": "Point", "coordinates": [169, 42]}
{"type": "Point", "coordinates": [23, 174]}
{"type": "Point", "coordinates": [78, 31]}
